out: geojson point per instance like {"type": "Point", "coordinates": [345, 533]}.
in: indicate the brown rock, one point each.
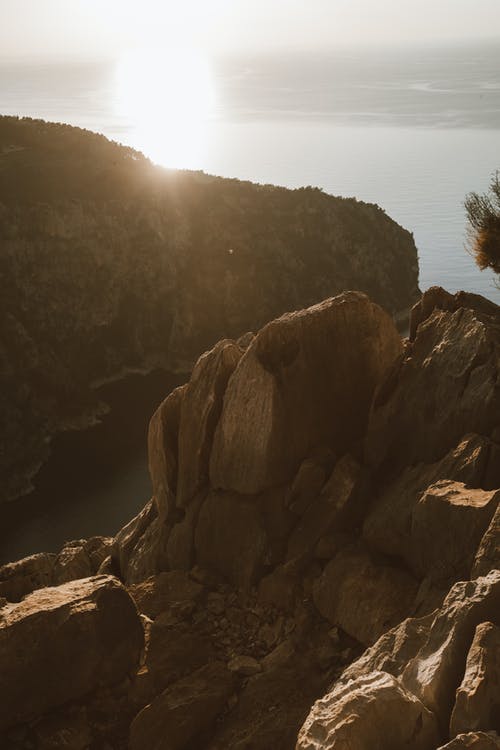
{"type": "Point", "coordinates": [388, 525]}
{"type": "Point", "coordinates": [175, 649]}
{"type": "Point", "coordinates": [246, 666]}
{"type": "Point", "coordinates": [263, 435]}
{"type": "Point", "coordinates": [307, 485]}
{"type": "Point", "coordinates": [270, 709]}
{"type": "Point", "coordinates": [435, 672]}
{"type": "Point", "coordinates": [129, 536]}
{"type": "Point", "coordinates": [149, 555]}
{"type": "Point", "coordinates": [437, 298]}
{"type": "Point", "coordinates": [279, 589]}
{"type": "Point", "coordinates": [392, 651]}
{"type": "Point", "coordinates": [488, 554]}
{"type": "Point", "coordinates": [200, 412]}
{"type": "Point", "coordinates": [163, 437]}
{"type": "Point", "coordinates": [157, 594]}
{"type": "Point", "coordinates": [447, 525]}
{"type": "Point", "coordinates": [371, 712]}
{"type": "Point", "coordinates": [280, 657]}
{"type": "Point", "coordinates": [24, 576]}
{"type": "Point", "coordinates": [363, 597]}
{"type": "Point", "coordinates": [474, 741]}
{"type": "Point", "coordinates": [180, 544]}
{"type": "Point", "coordinates": [98, 548]}
{"type": "Point", "coordinates": [338, 506]}
{"type": "Point", "coordinates": [60, 643]}
{"type": "Point", "coordinates": [445, 386]}
{"type": "Point", "coordinates": [72, 563]}
{"type": "Point", "coordinates": [230, 538]}
{"type": "Point", "coordinates": [477, 703]}
{"type": "Point", "coordinates": [184, 712]}
{"type": "Point", "coordinates": [66, 730]}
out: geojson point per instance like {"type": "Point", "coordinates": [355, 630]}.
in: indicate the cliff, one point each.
{"type": "Point", "coordinates": [109, 264]}
{"type": "Point", "coordinates": [319, 566]}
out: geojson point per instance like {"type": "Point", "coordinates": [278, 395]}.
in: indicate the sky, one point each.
{"type": "Point", "coordinates": [96, 29]}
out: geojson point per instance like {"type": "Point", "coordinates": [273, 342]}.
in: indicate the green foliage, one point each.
{"type": "Point", "coordinates": [483, 214]}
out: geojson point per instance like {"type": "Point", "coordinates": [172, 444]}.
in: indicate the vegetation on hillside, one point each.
{"type": "Point", "coordinates": [483, 213]}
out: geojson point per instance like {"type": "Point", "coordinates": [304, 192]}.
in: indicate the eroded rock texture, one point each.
{"type": "Point", "coordinates": [61, 643]}
{"type": "Point", "coordinates": [318, 567]}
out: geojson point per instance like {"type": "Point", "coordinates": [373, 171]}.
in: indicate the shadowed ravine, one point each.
{"type": "Point", "coordinates": [96, 479]}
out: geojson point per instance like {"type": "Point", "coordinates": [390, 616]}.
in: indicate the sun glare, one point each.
{"type": "Point", "coordinates": [168, 97]}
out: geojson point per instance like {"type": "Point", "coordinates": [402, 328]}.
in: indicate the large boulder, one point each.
{"type": "Point", "coordinates": [388, 524]}
{"type": "Point", "coordinates": [374, 712]}
{"type": "Point", "coordinates": [59, 644]}
{"type": "Point", "coordinates": [447, 525]}
{"type": "Point", "coordinates": [301, 385]}
{"type": "Point", "coordinates": [445, 386]}
{"type": "Point", "coordinates": [477, 703]}
{"type": "Point", "coordinates": [435, 672]}
{"type": "Point", "coordinates": [393, 650]}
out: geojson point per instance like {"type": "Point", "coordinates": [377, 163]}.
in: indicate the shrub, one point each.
{"type": "Point", "coordinates": [483, 214]}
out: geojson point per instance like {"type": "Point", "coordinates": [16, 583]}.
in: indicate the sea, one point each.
{"type": "Point", "coordinates": [411, 129]}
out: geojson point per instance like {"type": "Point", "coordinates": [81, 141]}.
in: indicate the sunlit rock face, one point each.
{"type": "Point", "coordinates": [110, 264]}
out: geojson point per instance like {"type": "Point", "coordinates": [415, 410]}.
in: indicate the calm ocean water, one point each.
{"type": "Point", "coordinates": [411, 131]}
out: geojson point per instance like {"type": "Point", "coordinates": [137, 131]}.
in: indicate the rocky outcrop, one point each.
{"type": "Point", "coordinates": [477, 701]}
{"type": "Point", "coordinates": [402, 691]}
{"type": "Point", "coordinates": [110, 265]}
{"type": "Point", "coordinates": [445, 386]}
{"type": "Point", "coordinates": [77, 559]}
{"type": "Point", "coordinates": [288, 400]}
{"type": "Point", "coordinates": [363, 596]}
{"type": "Point", "coordinates": [59, 644]}
{"type": "Point", "coordinates": [372, 712]}
{"type": "Point", "coordinates": [475, 740]}
{"type": "Point", "coordinates": [435, 483]}
{"type": "Point", "coordinates": [351, 588]}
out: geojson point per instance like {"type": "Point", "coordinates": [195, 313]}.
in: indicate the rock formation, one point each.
{"type": "Point", "coordinates": [316, 569]}
{"type": "Point", "coordinates": [110, 265]}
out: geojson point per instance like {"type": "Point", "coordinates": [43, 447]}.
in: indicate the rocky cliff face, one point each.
{"type": "Point", "coordinates": [109, 264]}
{"type": "Point", "coordinates": [318, 568]}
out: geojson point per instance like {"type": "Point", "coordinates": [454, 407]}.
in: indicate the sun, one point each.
{"type": "Point", "coordinates": [168, 97]}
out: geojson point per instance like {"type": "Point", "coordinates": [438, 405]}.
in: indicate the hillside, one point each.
{"type": "Point", "coordinates": [109, 264]}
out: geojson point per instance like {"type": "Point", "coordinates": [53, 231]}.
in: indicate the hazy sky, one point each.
{"type": "Point", "coordinates": [97, 28]}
